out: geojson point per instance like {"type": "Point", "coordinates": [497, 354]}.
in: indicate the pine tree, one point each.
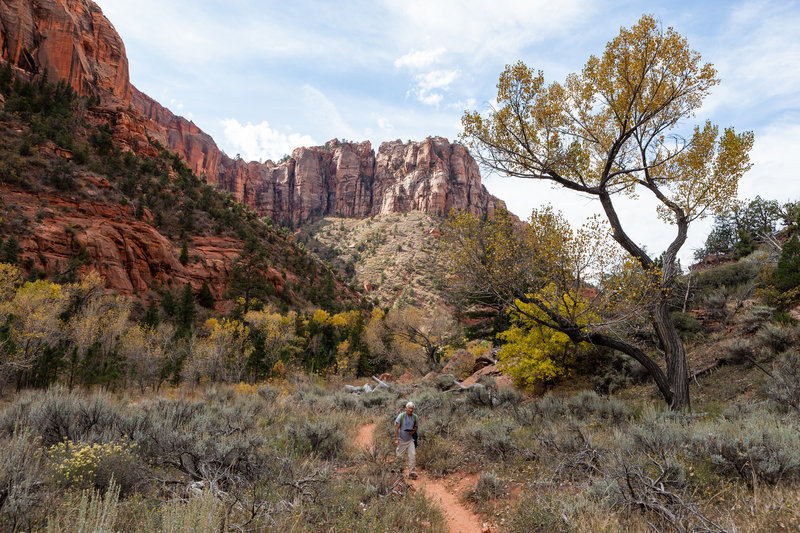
{"type": "Point", "coordinates": [184, 257]}
{"type": "Point", "coordinates": [786, 275]}
{"type": "Point", "coordinates": [206, 298]}
{"type": "Point", "coordinates": [151, 317]}
{"type": "Point", "coordinates": [11, 251]}
{"type": "Point", "coordinates": [168, 303]}
{"type": "Point", "coordinates": [185, 312]}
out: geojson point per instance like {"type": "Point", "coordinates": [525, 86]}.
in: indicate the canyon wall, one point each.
{"type": "Point", "coordinates": [73, 41]}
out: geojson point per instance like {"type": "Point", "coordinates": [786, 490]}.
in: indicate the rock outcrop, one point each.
{"type": "Point", "coordinates": [70, 40]}
{"type": "Point", "coordinates": [130, 254]}
{"type": "Point", "coordinates": [345, 179]}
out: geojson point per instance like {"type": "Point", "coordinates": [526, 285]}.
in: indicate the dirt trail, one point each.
{"type": "Point", "coordinates": [459, 518]}
{"type": "Point", "coordinates": [364, 436]}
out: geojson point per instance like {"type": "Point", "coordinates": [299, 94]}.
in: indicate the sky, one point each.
{"type": "Point", "coordinates": [265, 77]}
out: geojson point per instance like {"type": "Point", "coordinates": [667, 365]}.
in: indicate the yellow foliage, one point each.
{"type": "Point", "coordinates": [279, 370]}
{"type": "Point", "coordinates": [530, 346]}
{"type": "Point", "coordinates": [321, 316]}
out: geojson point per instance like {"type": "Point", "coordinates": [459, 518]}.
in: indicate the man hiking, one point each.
{"type": "Point", "coordinates": [405, 427]}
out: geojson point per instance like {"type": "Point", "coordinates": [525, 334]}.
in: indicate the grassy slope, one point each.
{"type": "Point", "coordinates": [394, 253]}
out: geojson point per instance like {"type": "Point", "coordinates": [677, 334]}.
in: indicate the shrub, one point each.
{"type": "Point", "coordinates": [754, 317]}
{"type": "Point", "coordinates": [776, 338]}
{"type": "Point", "coordinates": [322, 436]}
{"type": "Point", "coordinates": [538, 515]}
{"type": "Point", "coordinates": [57, 414]}
{"type": "Point", "coordinates": [783, 387]}
{"type": "Point", "coordinates": [588, 404]}
{"type": "Point", "coordinates": [489, 487]}
{"type": "Point", "coordinates": [495, 440]}
{"type": "Point", "coordinates": [269, 393]}
{"type": "Point", "coordinates": [738, 352]}
{"type": "Point", "coordinates": [94, 513]}
{"type": "Point", "coordinates": [508, 395]}
{"type": "Point", "coordinates": [764, 449]}
{"type": "Point", "coordinates": [20, 477]}
{"type": "Point", "coordinates": [87, 465]}
{"type": "Point", "coordinates": [685, 322]}
{"type": "Point", "coordinates": [439, 456]}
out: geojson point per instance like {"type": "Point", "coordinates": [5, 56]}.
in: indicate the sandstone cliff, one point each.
{"type": "Point", "coordinates": [72, 40]}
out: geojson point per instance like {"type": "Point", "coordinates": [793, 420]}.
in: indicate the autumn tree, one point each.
{"type": "Point", "coordinates": [612, 131]}
{"type": "Point", "coordinates": [430, 331]}
{"type": "Point", "coordinates": [29, 321]}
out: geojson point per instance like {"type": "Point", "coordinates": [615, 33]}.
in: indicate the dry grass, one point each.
{"type": "Point", "coordinates": [394, 253]}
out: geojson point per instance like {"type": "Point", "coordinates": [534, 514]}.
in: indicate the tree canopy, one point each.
{"type": "Point", "coordinates": [613, 130]}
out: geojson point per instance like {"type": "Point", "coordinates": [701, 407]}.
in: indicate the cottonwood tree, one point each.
{"type": "Point", "coordinates": [430, 331]}
{"type": "Point", "coordinates": [610, 131]}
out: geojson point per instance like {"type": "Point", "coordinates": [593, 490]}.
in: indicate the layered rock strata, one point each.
{"type": "Point", "coordinates": [73, 41]}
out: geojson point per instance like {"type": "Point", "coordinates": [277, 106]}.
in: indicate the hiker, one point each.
{"type": "Point", "coordinates": [405, 430]}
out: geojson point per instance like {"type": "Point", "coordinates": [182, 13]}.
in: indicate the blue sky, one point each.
{"type": "Point", "coordinates": [263, 77]}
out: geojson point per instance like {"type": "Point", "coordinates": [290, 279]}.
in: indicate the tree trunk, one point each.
{"type": "Point", "coordinates": [675, 354]}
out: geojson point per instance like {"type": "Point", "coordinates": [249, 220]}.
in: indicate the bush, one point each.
{"type": "Point", "coordinates": [764, 449]}
{"type": "Point", "coordinates": [754, 317]}
{"type": "Point", "coordinates": [489, 487]}
{"type": "Point", "coordinates": [20, 477]}
{"type": "Point", "coordinates": [776, 338]}
{"type": "Point", "coordinates": [685, 322]}
{"type": "Point", "coordinates": [88, 465]}
{"type": "Point", "coordinates": [738, 352]}
{"type": "Point", "coordinates": [321, 436]}
{"type": "Point", "coordinates": [439, 456]}
{"type": "Point", "coordinates": [57, 415]}
{"type": "Point", "coordinates": [783, 387]}
{"type": "Point", "coordinates": [495, 440]}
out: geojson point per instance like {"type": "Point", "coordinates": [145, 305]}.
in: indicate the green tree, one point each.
{"type": "Point", "coordinates": [248, 279]}
{"type": "Point", "coordinates": [205, 298]}
{"type": "Point", "coordinates": [10, 251]}
{"type": "Point", "coordinates": [151, 318]}
{"type": "Point", "coordinates": [184, 255]}
{"type": "Point", "coordinates": [609, 132]}
{"type": "Point", "coordinates": [185, 312]}
{"type": "Point", "coordinates": [786, 275]}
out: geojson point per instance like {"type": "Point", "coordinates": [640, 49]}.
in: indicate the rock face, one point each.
{"type": "Point", "coordinates": [345, 179]}
{"type": "Point", "coordinates": [130, 254]}
{"type": "Point", "coordinates": [72, 40]}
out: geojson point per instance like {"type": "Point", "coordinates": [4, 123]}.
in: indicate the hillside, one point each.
{"type": "Point", "coordinates": [74, 201]}
{"type": "Point", "coordinates": [74, 42]}
{"type": "Point", "coordinates": [390, 259]}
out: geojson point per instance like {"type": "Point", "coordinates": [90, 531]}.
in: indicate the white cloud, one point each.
{"type": "Point", "coordinates": [322, 112]}
{"type": "Point", "coordinates": [429, 86]}
{"type": "Point", "coordinates": [259, 142]}
{"type": "Point", "coordinates": [477, 29]}
{"type": "Point", "coordinates": [754, 58]}
{"type": "Point", "coordinates": [385, 125]}
{"type": "Point", "coordinates": [420, 59]}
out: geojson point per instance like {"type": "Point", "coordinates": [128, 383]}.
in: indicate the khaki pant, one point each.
{"type": "Point", "coordinates": [412, 454]}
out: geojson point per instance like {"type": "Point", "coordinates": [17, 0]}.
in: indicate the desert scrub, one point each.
{"type": "Point", "coordinates": [440, 456]}
{"type": "Point", "coordinates": [21, 476]}
{"type": "Point", "coordinates": [763, 448]}
{"type": "Point", "coordinates": [94, 465]}
{"type": "Point", "coordinates": [323, 436]}
{"type": "Point", "coordinates": [94, 513]}
{"type": "Point", "coordinates": [57, 414]}
{"type": "Point", "coordinates": [783, 386]}
{"type": "Point", "coordinates": [776, 338]}
{"type": "Point", "coordinates": [494, 440]}
{"type": "Point", "coordinates": [488, 487]}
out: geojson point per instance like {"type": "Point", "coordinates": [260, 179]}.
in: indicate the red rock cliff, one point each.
{"type": "Point", "coordinates": [72, 40]}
